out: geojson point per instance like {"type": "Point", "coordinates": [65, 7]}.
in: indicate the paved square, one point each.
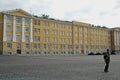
{"type": "Point", "coordinates": [58, 68]}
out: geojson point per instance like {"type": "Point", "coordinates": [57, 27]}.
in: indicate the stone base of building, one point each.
{"type": "Point", "coordinates": [42, 53]}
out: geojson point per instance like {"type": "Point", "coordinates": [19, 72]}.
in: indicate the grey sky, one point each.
{"type": "Point", "coordinates": [98, 12]}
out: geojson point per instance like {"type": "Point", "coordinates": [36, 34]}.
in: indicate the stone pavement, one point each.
{"type": "Point", "coordinates": [58, 68]}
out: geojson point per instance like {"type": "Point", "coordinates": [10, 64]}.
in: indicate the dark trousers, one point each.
{"type": "Point", "coordinates": [106, 66]}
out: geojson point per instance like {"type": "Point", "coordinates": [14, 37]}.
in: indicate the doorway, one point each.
{"type": "Point", "coordinates": [18, 51]}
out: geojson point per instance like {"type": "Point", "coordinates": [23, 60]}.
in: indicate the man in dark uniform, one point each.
{"type": "Point", "coordinates": [107, 60]}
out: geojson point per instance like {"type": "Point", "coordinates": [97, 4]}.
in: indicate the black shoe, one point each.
{"type": "Point", "coordinates": [106, 71]}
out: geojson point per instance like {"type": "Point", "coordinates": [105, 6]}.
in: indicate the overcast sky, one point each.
{"type": "Point", "coordinates": [97, 12]}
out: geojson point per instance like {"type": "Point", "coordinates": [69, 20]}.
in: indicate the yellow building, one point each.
{"type": "Point", "coordinates": [24, 34]}
{"type": "Point", "coordinates": [115, 39]}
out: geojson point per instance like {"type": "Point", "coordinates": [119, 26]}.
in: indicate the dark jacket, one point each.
{"type": "Point", "coordinates": [107, 57]}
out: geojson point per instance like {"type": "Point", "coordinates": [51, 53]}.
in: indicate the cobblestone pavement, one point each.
{"type": "Point", "coordinates": [58, 68]}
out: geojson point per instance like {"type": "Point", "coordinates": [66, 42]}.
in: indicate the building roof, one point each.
{"type": "Point", "coordinates": [9, 11]}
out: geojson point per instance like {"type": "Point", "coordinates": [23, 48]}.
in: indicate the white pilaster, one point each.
{"type": "Point", "coordinates": [23, 34]}
{"type": "Point", "coordinates": [14, 29]}
{"type": "Point", "coordinates": [4, 28]}
{"type": "Point", "coordinates": [31, 31]}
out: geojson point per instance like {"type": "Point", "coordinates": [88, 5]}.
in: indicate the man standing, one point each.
{"type": "Point", "coordinates": [107, 60]}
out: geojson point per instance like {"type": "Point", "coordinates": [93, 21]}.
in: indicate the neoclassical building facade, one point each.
{"type": "Point", "coordinates": [24, 34]}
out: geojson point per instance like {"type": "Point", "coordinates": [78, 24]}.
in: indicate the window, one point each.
{"type": "Point", "coordinates": [37, 22]}
{"type": "Point", "coordinates": [18, 29]}
{"type": "Point", "coordinates": [62, 33]}
{"type": "Point", "coordinates": [76, 40]}
{"type": "Point", "coordinates": [76, 28]}
{"type": "Point", "coordinates": [81, 29]}
{"type": "Point", "coordinates": [37, 31]}
{"type": "Point", "coordinates": [18, 37]}
{"type": "Point", "coordinates": [27, 29]}
{"type": "Point", "coordinates": [9, 45]}
{"type": "Point", "coordinates": [27, 20]}
{"type": "Point", "coordinates": [39, 46]}
{"type": "Point", "coordinates": [54, 40]}
{"type": "Point", "coordinates": [69, 46]}
{"type": "Point", "coordinates": [63, 40]}
{"type": "Point", "coordinates": [36, 38]}
{"type": "Point", "coordinates": [46, 24]}
{"type": "Point", "coordinates": [18, 20]}
{"type": "Point", "coordinates": [28, 46]}
{"type": "Point", "coordinates": [69, 40]}
{"type": "Point", "coordinates": [69, 33]}
{"type": "Point", "coordinates": [35, 46]}
{"type": "Point", "coordinates": [62, 26]}
{"type": "Point", "coordinates": [70, 27]}
{"type": "Point", "coordinates": [76, 34]}
{"type": "Point", "coordinates": [9, 18]}
{"type": "Point", "coordinates": [45, 46]}
{"type": "Point", "coordinates": [54, 32]}
{"type": "Point", "coordinates": [9, 37]}
{"type": "Point", "coordinates": [86, 29]}
{"type": "Point", "coordinates": [27, 38]}
{"type": "Point", "coordinates": [54, 25]}
{"type": "Point", "coordinates": [18, 46]}
{"type": "Point", "coordinates": [9, 28]}
{"type": "Point", "coordinates": [46, 39]}
{"type": "Point", "coordinates": [77, 46]}
{"type": "Point", "coordinates": [46, 31]}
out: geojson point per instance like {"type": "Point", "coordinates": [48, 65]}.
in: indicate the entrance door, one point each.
{"type": "Point", "coordinates": [18, 51]}
{"type": "Point", "coordinates": [82, 51]}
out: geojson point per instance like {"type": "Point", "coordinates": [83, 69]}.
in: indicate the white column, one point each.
{"type": "Point", "coordinates": [14, 29]}
{"type": "Point", "coordinates": [4, 28]}
{"type": "Point", "coordinates": [23, 34]}
{"type": "Point", "coordinates": [115, 38]}
{"type": "Point", "coordinates": [31, 31]}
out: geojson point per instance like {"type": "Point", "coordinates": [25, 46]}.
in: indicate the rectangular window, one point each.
{"type": "Point", "coordinates": [54, 25]}
{"type": "Point", "coordinates": [39, 46]}
{"type": "Point", "coordinates": [69, 40]}
{"type": "Point", "coordinates": [18, 20]}
{"type": "Point", "coordinates": [46, 39]}
{"type": "Point", "coordinates": [46, 31]}
{"type": "Point", "coordinates": [76, 28]}
{"type": "Point", "coordinates": [45, 46]}
{"type": "Point", "coordinates": [46, 24]}
{"type": "Point", "coordinates": [62, 33]}
{"type": "Point", "coordinates": [18, 37]}
{"type": "Point", "coordinates": [76, 34]}
{"type": "Point", "coordinates": [27, 38]}
{"type": "Point", "coordinates": [27, 29]}
{"type": "Point", "coordinates": [37, 22]}
{"type": "Point", "coordinates": [54, 40]}
{"type": "Point", "coordinates": [62, 26]}
{"type": "Point", "coordinates": [35, 46]}
{"type": "Point", "coordinates": [9, 28]}
{"type": "Point", "coordinates": [70, 27]}
{"type": "Point", "coordinates": [37, 31]}
{"type": "Point", "coordinates": [28, 46]}
{"type": "Point", "coordinates": [27, 20]}
{"type": "Point", "coordinates": [18, 29]}
{"type": "Point", "coordinates": [18, 46]}
{"type": "Point", "coordinates": [9, 45]}
{"type": "Point", "coordinates": [9, 18]}
{"type": "Point", "coordinates": [9, 37]}
{"type": "Point", "coordinates": [36, 38]}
